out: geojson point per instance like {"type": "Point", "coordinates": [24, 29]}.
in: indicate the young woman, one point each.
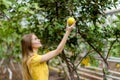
{"type": "Point", "coordinates": [34, 65]}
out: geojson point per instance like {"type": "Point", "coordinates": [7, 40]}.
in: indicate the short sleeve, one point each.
{"type": "Point", "coordinates": [36, 59]}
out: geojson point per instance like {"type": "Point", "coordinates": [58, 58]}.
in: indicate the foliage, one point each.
{"type": "Point", "coordinates": [47, 19]}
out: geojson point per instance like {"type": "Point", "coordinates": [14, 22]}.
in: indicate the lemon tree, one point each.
{"type": "Point", "coordinates": [47, 19]}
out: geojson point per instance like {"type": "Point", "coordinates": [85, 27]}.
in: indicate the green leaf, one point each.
{"type": "Point", "coordinates": [7, 3]}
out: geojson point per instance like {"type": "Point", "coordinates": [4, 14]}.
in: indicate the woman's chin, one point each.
{"type": "Point", "coordinates": [40, 46]}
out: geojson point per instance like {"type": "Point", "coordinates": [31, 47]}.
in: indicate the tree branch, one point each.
{"type": "Point", "coordinates": [110, 48]}
{"type": "Point", "coordinates": [93, 47]}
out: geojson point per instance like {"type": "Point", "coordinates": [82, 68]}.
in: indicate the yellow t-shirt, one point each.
{"type": "Point", "coordinates": [38, 71]}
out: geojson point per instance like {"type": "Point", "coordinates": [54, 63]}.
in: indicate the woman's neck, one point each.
{"type": "Point", "coordinates": [35, 50]}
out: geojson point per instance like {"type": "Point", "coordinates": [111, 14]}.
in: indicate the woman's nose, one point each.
{"type": "Point", "coordinates": [39, 40]}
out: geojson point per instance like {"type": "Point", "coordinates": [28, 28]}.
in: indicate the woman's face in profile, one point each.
{"type": "Point", "coordinates": [36, 42]}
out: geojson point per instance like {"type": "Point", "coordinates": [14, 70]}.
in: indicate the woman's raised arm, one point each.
{"type": "Point", "coordinates": [60, 47]}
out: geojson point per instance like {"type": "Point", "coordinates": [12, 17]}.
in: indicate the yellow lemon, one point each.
{"type": "Point", "coordinates": [70, 21]}
{"type": "Point", "coordinates": [86, 61]}
{"type": "Point", "coordinates": [117, 65]}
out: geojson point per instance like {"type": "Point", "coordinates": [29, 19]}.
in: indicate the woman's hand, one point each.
{"type": "Point", "coordinates": [70, 28]}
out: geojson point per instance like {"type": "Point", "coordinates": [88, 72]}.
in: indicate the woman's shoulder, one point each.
{"type": "Point", "coordinates": [34, 58]}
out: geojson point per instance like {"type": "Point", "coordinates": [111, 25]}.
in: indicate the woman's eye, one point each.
{"type": "Point", "coordinates": [36, 38]}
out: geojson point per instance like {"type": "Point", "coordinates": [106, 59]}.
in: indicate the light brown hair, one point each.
{"type": "Point", "coordinates": [26, 50]}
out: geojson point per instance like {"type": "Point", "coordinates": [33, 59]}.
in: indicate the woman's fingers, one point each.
{"type": "Point", "coordinates": [71, 27]}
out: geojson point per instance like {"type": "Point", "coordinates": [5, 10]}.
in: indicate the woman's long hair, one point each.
{"type": "Point", "coordinates": [26, 50]}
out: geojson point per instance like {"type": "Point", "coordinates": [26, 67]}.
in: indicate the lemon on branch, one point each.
{"type": "Point", "coordinates": [86, 61]}
{"type": "Point", "coordinates": [70, 21]}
